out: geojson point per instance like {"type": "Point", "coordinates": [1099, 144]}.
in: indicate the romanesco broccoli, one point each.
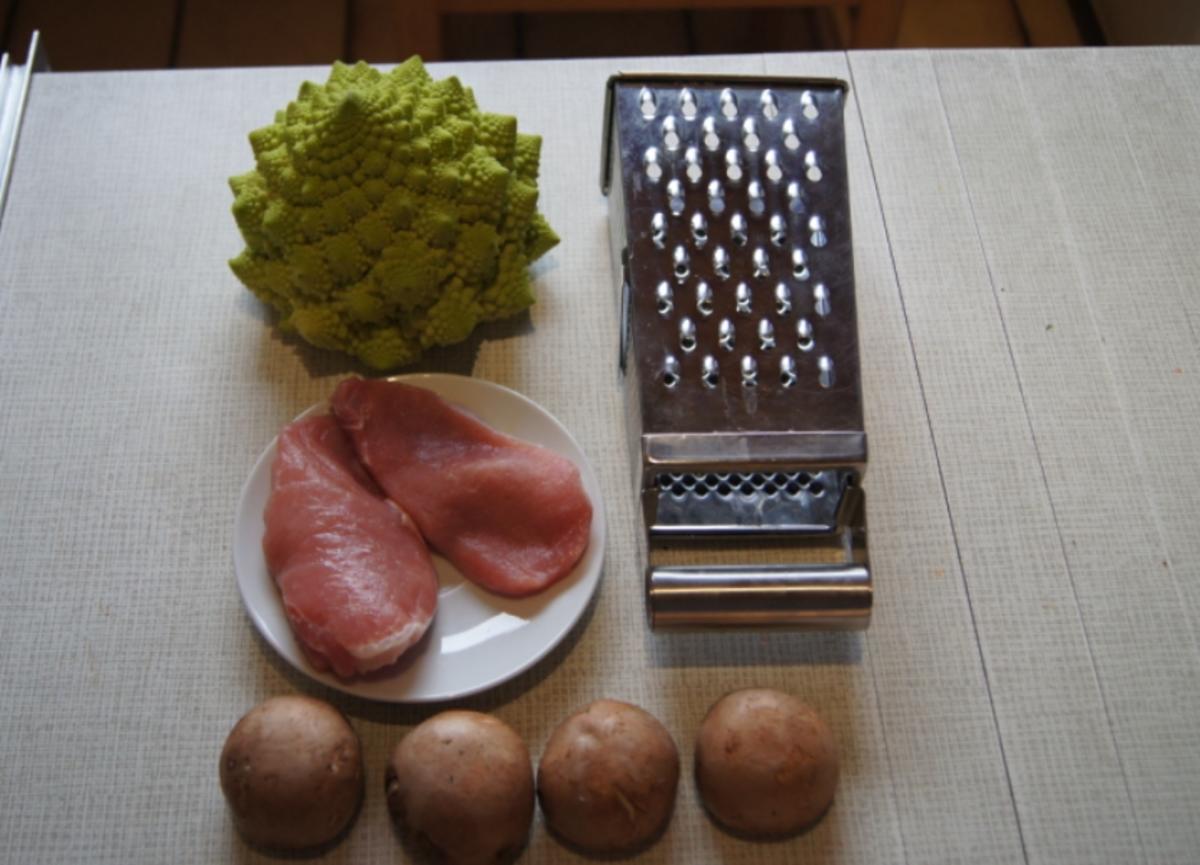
{"type": "Point", "coordinates": [388, 214]}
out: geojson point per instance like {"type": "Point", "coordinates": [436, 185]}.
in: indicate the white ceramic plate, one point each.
{"type": "Point", "coordinates": [477, 639]}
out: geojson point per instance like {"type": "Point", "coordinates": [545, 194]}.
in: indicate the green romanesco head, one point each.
{"type": "Point", "coordinates": [387, 214]}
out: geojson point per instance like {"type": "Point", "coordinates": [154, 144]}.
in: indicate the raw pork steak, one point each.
{"type": "Point", "coordinates": [357, 582]}
{"type": "Point", "coordinates": [512, 516]}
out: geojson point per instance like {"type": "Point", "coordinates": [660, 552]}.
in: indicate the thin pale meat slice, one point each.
{"type": "Point", "coordinates": [357, 581]}
{"type": "Point", "coordinates": [512, 516]}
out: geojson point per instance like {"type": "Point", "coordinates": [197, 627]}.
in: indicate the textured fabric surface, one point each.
{"type": "Point", "coordinates": [1025, 268]}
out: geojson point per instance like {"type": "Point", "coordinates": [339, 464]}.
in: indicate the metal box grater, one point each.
{"type": "Point", "coordinates": [730, 226]}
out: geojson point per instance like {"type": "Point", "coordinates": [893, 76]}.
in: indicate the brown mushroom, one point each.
{"type": "Point", "coordinates": [292, 773]}
{"type": "Point", "coordinates": [608, 777]}
{"type": "Point", "coordinates": [766, 763]}
{"type": "Point", "coordinates": [462, 783]}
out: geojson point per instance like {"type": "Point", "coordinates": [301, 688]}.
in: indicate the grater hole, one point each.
{"type": "Point", "coordinates": [680, 263]}
{"type": "Point", "coordinates": [783, 299]}
{"type": "Point", "coordinates": [790, 139]}
{"type": "Point", "coordinates": [756, 203]}
{"type": "Point", "coordinates": [799, 264]}
{"type": "Point", "coordinates": [749, 372]}
{"type": "Point", "coordinates": [687, 336]}
{"type": "Point", "coordinates": [804, 334]}
{"type": "Point", "coordinates": [646, 103]}
{"type": "Point", "coordinates": [787, 371]}
{"type": "Point", "coordinates": [658, 230]}
{"type": "Point", "coordinates": [710, 372]}
{"type": "Point", "coordinates": [670, 372]}
{"type": "Point", "coordinates": [733, 165]}
{"type": "Point", "coordinates": [716, 198]}
{"type": "Point", "coordinates": [821, 300]}
{"type": "Point", "coordinates": [725, 334]}
{"type": "Point", "coordinates": [808, 106]}
{"type": "Point", "coordinates": [739, 232]}
{"type": "Point", "coordinates": [825, 372]}
{"type": "Point", "coordinates": [687, 103]}
{"type": "Point", "coordinates": [770, 105]}
{"type": "Point", "coordinates": [795, 198]}
{"type": "Point", "coordinates": [670, 133]}
{"type": "Point", "coordinates": [762, 262]}
{"type": "Point", "coordinates": [758, 480]}
{"type": "Point", "coordinates": [750, 134]}
{"type": "Point", "coordinates": [721, 262]}
{"type": "Point", "coordinates": [816, 228]}
{"type": "Point", "coordinates": [664, 298]}
{"type": "Point", "coordinates": [804, 479]}
{"type": "Point", "coordinates": [729, 106]}
{"type": "Point", "coordinates": [693, 170]}
{"type": "Point", "coordinates": [741, 299]}
{"type": "Point", "coordinates": [766, 335]}
{"type": "Point", "coordinates": [711, 139]}
{"type": "Point", "coordinates": [816, 489]}
{"type": "Point", "coordinates": [813, 173]}
{"type": "Point", "coordinates": [778, 228]}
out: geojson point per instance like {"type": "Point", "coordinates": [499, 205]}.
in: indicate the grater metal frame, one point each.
{"type": "Point", "coordinates": [759, 462]}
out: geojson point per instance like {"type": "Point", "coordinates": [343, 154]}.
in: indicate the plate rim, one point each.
{"type": "Point", "coordinates": [596, 547]}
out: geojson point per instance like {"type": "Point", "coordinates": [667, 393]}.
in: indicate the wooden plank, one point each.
{"type": "Point", "coordinates": [735, 31]}
{"type": "Point", "coordinates": [1088, 374]}
{"type": "Point", "coordinates": [943, 752]}
{"type": "Point", "coordinates": [959, 24]}
{"type": "Point", "coordinates": [82, 35]}
{"type": "Point", "coordinates": [1048, 23]}
{"type": "Point", "coordinates": [481, 37]}
{"type": "Point", "coordinates": [262, 33]}
{"type": "Point", "coordinates": [497, 6]}
{"type": "Point", "coordinates": [603, 34]}
{"type": "Point", "coordinates": [387, 31]}
{"type": "Point", "coordinates": [1048, 703]}
{"type": "Point", "coordinates": [877, 24]}
{"type": "Point", "coordinates": [1148, 22]}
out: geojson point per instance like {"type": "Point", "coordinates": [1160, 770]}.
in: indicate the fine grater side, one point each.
{"type": "Point", "coordinates": [730, 228]}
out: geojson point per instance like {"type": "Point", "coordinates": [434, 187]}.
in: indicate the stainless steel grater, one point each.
{"type": "Point", "coordinates": [730, 225]}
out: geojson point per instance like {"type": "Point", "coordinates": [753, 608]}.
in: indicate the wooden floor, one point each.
{"type": "Point", "coordinates": [151, 34]}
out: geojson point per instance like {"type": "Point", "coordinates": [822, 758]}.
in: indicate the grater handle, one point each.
{"type": "Point", "coordinates": [805, 596]}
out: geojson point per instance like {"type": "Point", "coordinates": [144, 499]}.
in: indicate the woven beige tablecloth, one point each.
{"type": "Point", "coordinates": [1025, 253]}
